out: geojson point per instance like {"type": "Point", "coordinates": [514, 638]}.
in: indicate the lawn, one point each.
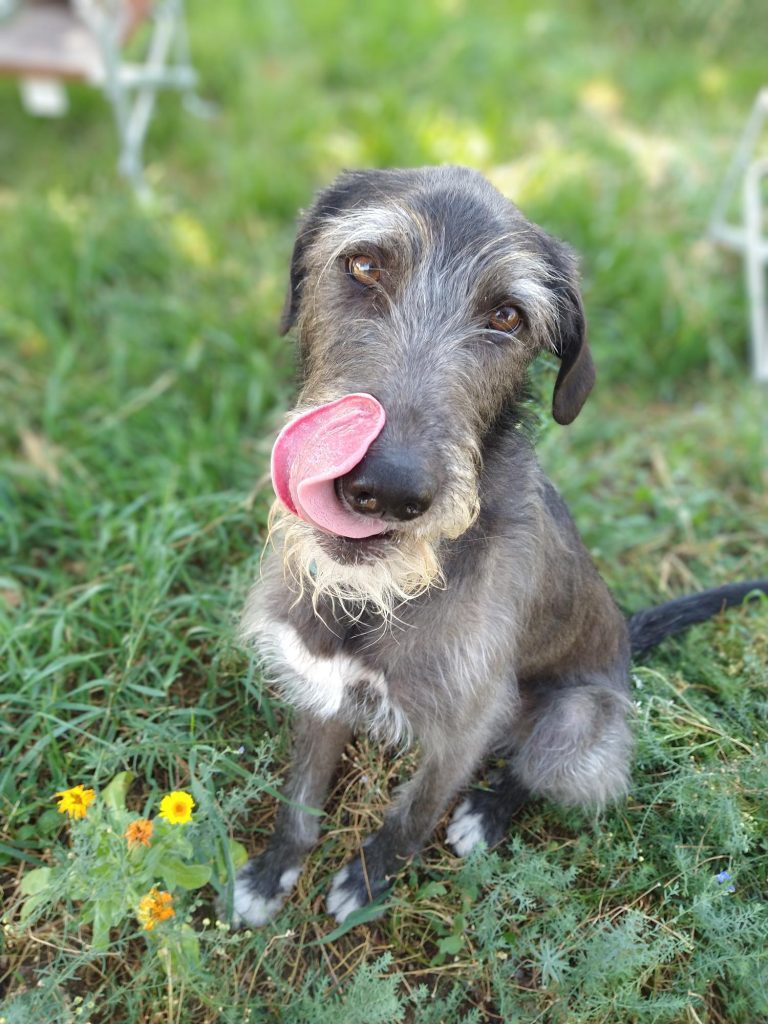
{"type": "Point", "coordinates": [141, 381]}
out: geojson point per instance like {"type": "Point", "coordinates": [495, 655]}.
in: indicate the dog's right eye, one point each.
{"type": "Point", "coordinates": [506, 319]}
{"type": "Point", "coordinates": [363, 269]}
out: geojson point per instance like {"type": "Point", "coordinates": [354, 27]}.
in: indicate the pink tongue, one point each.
{"type": "Point", "coordinates": [315, 450]}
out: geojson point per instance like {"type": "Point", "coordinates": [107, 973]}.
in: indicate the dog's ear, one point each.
{"type": "Point", "coordinates": [291, 303]}
{"type": "Point", "coordinates": [309, 223]}
{"type": "Point", "coordinates": [351, 188]}
{"type": "Point", "coordinates": [576, 376]}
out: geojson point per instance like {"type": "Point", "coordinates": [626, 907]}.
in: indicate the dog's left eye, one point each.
{"type": "Point", "coordinates": [363, 269]}
{"type": "Point", "coordinates": [507, 319]}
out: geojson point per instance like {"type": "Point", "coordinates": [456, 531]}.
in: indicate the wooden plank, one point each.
{"type": "Point", "coordinates": [49, 40]}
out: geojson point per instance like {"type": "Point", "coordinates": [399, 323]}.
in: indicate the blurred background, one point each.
{"type": "Point", "coordinates": [142, 378]}
{"type": "Point", "coordinates": [138, 338]}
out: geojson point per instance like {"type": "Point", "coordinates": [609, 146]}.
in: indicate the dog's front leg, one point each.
{"type": "Point", "coordinates": [446, 766]}
{"type": "Point", "coordinates": [263, 884]}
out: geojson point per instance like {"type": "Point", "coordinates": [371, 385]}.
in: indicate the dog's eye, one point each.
{"type": "Point", "coordinates": [507, 319]}
{"type": "Point", "coordinates": [363, 269]}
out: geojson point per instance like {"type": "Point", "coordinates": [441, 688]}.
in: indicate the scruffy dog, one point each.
{"type": "Point", "coordinates": [427, 583]}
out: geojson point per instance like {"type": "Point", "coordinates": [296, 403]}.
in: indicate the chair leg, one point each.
{"type": "Point", "coordinates": [105, 24]}
{"type": "Point", "coordinates": [756, 264]}
{"type": "Point", "coordinates": [160, 46]}
{"type": "Point", "coordinates": [131, 89]}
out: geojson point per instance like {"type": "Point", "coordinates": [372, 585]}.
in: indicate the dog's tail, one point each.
{"type": "Point", "coordinates": [650, 626]}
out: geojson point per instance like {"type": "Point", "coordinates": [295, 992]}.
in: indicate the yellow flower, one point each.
{"type": "Point", "coordinates": [176, 807]}
{"type": "Point", "coordinates": [75, 801]}
{"type": "Point", "coordinates": [156, 906]}
{"type": "Point", "coordinates": [139, 831]}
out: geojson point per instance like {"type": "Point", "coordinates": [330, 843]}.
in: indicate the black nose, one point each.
{"type": "Point", "coordinates": [389, 486]}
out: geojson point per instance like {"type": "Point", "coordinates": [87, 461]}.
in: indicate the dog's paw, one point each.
{"type": "Point", "coordinates": [352, 889]}
{"type": "Point", "coordinates": [260, 893]}
{"type": "Point", "coordinates": [482, 818]}
{"type": "Point", "coordinates": [467, 828]}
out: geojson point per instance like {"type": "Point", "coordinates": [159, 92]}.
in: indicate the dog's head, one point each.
{"type": "Point", "coordinates": [431, 292]}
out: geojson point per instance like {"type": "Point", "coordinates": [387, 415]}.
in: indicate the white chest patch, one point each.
{"type": "Point", "coordinates": [321, 682]}
{"type": "Point", "coordinates": [328, 687]}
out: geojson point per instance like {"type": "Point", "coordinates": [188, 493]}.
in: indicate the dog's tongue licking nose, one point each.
{"type": "Point", "coordinates": [315, 450]}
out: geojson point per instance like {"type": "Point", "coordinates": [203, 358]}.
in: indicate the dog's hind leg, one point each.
{"type": "Point", "coordinates": [447, 764]}
{"type": "Point", "coordinates": [571, 746]}
{"type": "Point", "coordinates": [575, 745]}
{"type": "Point", "coordinates": [263, 884]}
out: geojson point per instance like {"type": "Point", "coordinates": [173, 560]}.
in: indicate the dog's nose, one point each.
{"type": "Point", "coordinates": [389, 487]}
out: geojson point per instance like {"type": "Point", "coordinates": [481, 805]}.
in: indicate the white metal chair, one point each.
{"type": "Point", "coordinates": [49, 42]}
{"type": "Point", "coordinates": [748, 171]}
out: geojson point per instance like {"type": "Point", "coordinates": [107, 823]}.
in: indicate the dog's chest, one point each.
{"type": "Point", "coordinates": [340, 685]}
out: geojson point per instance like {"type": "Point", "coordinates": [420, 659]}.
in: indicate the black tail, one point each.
{"type": "Point", "coordinates": [649, 626]}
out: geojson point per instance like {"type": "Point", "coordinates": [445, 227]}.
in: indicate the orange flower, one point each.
{"type": "Point", "coordinates": [154, 907]}
{"type": "Point", "coordinates": [75, 801]}
{"type": "Point", "coordinates": [139, 831]}
{"type": "Point", "coordinates": [176, 807]}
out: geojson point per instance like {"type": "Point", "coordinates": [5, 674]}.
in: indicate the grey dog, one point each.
{"type": "Point", "coordinates": [476, 625]}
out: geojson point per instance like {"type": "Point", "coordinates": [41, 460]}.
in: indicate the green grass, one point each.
{"type": "Point", "coordinates": [140, 379]}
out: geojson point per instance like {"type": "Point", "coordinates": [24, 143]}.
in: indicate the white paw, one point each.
{"type": "Point", "coordinates": [342, 901]}
{"type": "Point", "coordinates": [255, 910]}
{"type": "Point", "coordinates": [289, 878]}
{"type": "Point", "coordinates": [465, 830]}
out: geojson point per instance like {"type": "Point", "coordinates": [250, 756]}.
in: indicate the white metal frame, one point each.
{"type": "Point", "coordinates": [748, 172]}
{"type": "Point", "coordinates": [131, 88]}
{"type": "Point", "coordinates": [47, 44]}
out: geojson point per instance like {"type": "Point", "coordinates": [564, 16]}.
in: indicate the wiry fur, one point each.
{"type": "Point", "coordinates": [327, 686]}
{"type": "Point", "coordinates": [411, 566]}
{"type": "Point", "coordinates": [480, 628]}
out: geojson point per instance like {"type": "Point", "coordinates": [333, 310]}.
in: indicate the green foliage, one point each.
{"type": "Point", "coordinates": [140, 379]}
{"type": "Point", "coordinates": [108, 872]}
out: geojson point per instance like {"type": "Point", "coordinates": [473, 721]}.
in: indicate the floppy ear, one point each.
{"type": "Point", "coordinates": [308, 225]}
{"type": "Point", "coordinates": [291, 304]}
{"type": "Point", "coordinates": [351, 188]}
{"type": "Point", "coordinates": [577, 370]}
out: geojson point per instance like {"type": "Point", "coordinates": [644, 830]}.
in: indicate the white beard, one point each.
{"type": "Point", "coordinates": [407, 564]}
{"type": "Point", "coordinates": [407, 567]}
